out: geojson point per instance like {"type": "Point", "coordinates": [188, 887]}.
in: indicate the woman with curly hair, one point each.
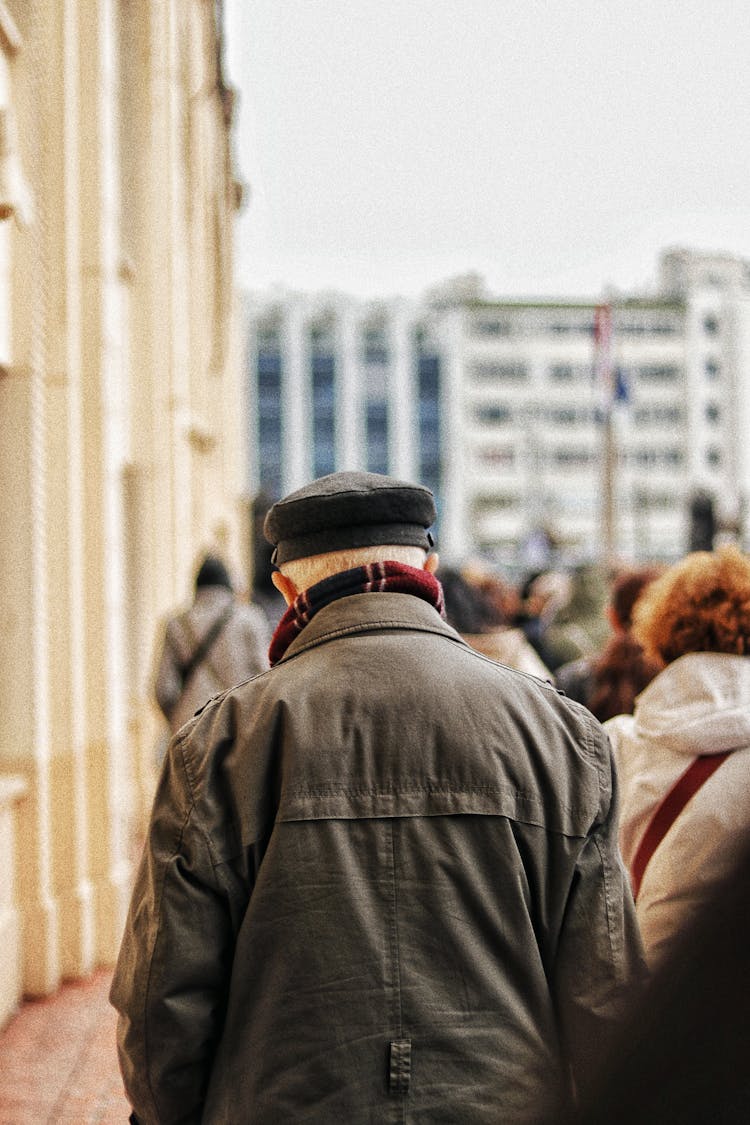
{"type": "Point", "coordinates": [609, 682]}
{"type": "Point", "coordinates": [683, 757]}
{"type": "Point", "coordinates": [622, 670]}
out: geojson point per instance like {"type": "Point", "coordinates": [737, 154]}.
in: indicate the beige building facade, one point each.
{"type": "Point", "coordinates": [121, 456]}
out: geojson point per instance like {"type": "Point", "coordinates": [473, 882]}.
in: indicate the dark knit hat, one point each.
{"type": "Point", "coordinates": [345, 510]}
{"type": "Point", "coordinates": [213, 573]}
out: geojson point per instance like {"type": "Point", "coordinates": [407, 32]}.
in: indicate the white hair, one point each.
{"type": "Point", "coordinates": [306, 572]}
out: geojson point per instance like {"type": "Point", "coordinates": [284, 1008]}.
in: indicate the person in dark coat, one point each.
{"type": "Point", "coordinates": [609, 682]}
{"type": "Point", "coordinates": [681, 1057]}
{"type": "Point", "coordinates": [381, 881]}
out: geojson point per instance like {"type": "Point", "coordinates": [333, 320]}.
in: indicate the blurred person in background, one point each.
{"type": "Point", "coordinates": [682, 1055]}
{"type": "Point", "coordinates": [476, 605]}
{"type": "Point", "coordinates": [264, 593]}
{"type": "Point", "coordinates": [539, 599]}
{"type": "Point", "coordinates": [683, 757]}
{"type": "Point", "coordinates": [501, 595]}
{"type": "Point", "coordinates": [622, 670]}
{"type": "Point", "coordinates": [609, 681]}
{"type": "Point", "coordinates": [578, 627]}
{"type": "Point", "coordinates": [213, 644]}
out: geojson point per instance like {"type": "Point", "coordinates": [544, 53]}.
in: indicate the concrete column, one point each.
{"type": "Point", "coordinates": [98, 530]}
{"type": "Point", "coordinates": [454, 541]}
{"type": "Point", "coordinates": [150, 540]}
{"type": "Point", "coordinates": [738, 426]}
{"type": "Point", "coordinates": [25, 744]}
{"type": "Point", "coordinates": [66, 564]}
{"type": "Point", "coordinates": [104, 457]}
{"type": "Point", "coordinates": [206, 219]}
{"type": "Point", "coordinates": [349, 432]}
{"type": "Point", "coordinates": [230, 493]}
{"type": "Point", "coordinates": [698, 304]}
{"type": "Point", "coordinates": [168, 136]}
{"type": "Point", "coordinates": [296, 399]}
{"type": "Point", "coordinates": [402, 433]}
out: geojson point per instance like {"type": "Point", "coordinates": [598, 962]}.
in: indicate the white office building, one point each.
{"type": "Point", "coordinates": [497, 406]}
{"type": "Point", "coordinates": [337, 384]}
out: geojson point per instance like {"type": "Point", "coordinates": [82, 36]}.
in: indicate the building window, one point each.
{"type": "Point", "coordinates": [713, 457]}
{"type": "Point", "coordinates": [509, 372]}
{"type": "Point", "coordinates": [710, 325]}
{"type": "Point", "coordinates": [375, 345]}
{"type": "Point", "coordinates": [658, 415]}
{"type": "Point", "coordinates": [267, 338]}
{"type": "Point", "coordinates": [499, 502]}
{"type": "Point", "coordinates": [648, 327]}
{"type": "Point", "coordinates": [321, 337]}
{"type": "Point", "coordinates": [499, 458]}
{"type": "Point", "coordinates": [569, 372]}
{"type": "Point", "coordinates": [712, 412]}
{"type": "Point", "coordinates": [492, 414]}
{"type": "Point", "coordinates": [712, 369]}
{"type": "Point", "coordinates": [568, 415]}
{"type": "Point", "coordinates": [376, 435]}
{"type": "Point", "coordinates": [657, 458]}
{"type": "Point", "coordinates": [323, 412]}
{"type": "Point", "coordinates": [572, 327]}
{"type": "Point", "coordinates": [659, 372]}
{"type": "Point", "coordinates": [572, 458]}
{"type": "Point", "coordinates": [490, 326]}
{"type": "Point", "coordinates": [268, 383]}
{"type": "Point", "coordinates": [428, 420]}
{"type": "Point", "coordinates": [654, 501]}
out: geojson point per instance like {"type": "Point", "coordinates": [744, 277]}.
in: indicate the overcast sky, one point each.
{"type": "Point", "coordinates": [553, 147]}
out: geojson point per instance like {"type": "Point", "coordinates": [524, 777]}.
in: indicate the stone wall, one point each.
{"type": "Point", "coordinates": [121, 453]}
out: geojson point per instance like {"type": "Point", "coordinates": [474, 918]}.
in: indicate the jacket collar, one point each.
{"type": "Point", "coordinates": [366, 613]}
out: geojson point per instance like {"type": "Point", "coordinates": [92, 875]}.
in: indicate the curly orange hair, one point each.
{"type": "Point", "coordinates": [701, 604]}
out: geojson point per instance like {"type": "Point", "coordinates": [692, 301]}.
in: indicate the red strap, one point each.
{"type": "Point", "coordinates": [686, 786]}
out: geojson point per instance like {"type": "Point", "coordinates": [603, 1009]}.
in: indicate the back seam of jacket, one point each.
{"type": "Point", "coordinates": [397, 1013]}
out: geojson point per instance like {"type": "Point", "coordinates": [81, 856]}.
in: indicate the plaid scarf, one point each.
{"type": "Point", "coordinates": [386, 577]}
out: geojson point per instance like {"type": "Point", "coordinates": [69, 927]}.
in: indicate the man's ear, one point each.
{"type": "Point", "coordinates": [285, 586]}
{"type": "Point", "coordinates": [431, 563]}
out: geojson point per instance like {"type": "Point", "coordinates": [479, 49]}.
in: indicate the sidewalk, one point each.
{"type": "Point", "coordinates": [58, 1061]}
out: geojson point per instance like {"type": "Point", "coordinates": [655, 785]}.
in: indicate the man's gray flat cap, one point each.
{"type": "Point", "coordinates": [344, 510]}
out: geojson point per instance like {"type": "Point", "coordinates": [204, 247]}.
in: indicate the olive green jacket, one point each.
{"type": "Point", "coordinates": [381, 884]}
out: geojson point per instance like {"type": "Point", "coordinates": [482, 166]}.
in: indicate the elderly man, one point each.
{"type": "Point", "coordinates": [382, 881]}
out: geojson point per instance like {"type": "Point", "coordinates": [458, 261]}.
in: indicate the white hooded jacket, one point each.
{"type": "Point", "coordinates": [699, 704]}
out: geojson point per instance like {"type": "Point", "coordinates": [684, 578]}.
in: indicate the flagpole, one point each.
{"type": "Point", "coordinates": [605, 382]}
{"type": "Point", "coordinates": [609, 469]}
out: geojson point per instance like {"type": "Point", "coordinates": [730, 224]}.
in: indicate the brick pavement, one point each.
{"type": "Point", "coordinates": [58, 1062]}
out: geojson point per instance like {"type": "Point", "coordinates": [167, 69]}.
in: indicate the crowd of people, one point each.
{"type": "Point", "coordinates": [452, 848]}
{"type": "Point", "coordinates": [671, 684]}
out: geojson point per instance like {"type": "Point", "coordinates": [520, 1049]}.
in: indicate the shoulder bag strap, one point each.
{"type": "Point", "coordinates": [686, 786]}
{"type": "Point", "coordinates": [199, 654]}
